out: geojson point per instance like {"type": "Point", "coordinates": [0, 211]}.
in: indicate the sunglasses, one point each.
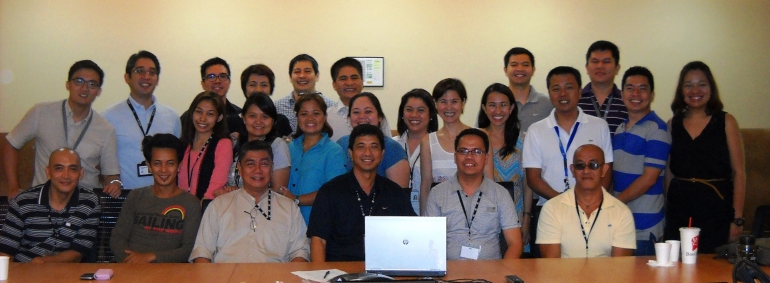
{"type": "Point", "coordinates": [593, 165]}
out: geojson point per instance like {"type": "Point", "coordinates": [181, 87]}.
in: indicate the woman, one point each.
{"type": "Point", "coordinates": [315, 159]}
{"type": "Point", "coordinates": [209, 150]}
{"type": "Point", "coordinates": [259, 116]}
{"type": "Point", "coordinates": [365, 108]}
{"type": "Point", "coordinates": [499, 118]}
{"type": "Point", "coordinates": [437, 149]}
{"type": "Point", "coordinates": [416, 118]}
{"type": "Point", "coordinates": [706, 165]}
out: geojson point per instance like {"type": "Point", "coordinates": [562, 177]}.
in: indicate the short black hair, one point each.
{"type": "Point", "coordinates": [86, 64]}
{"type": "Point", "coordinates": [449, 84]}
{"type": "Point", "coordinates": [212, 62]}
{"type": "Point", "coordinates": [603, 45]}
{"type": "Point", "coordinates": [259, 70]}
{"type": "Point", "coordinates": [638, 71]}
{"type": "Point", "coordinates": [517, 51]}
{"type": "Point", "coordinates": [346, 62]}
{"type": "Point", "coordinates": [473, 132]}
{"type": "Point", "coordinates": [366, 130]}
{"type": "Point", "coordinates": [255, 145]}
{"type": "Point", "coordinates": [563, 70]}
{"type": "Point", "coordinates": [139, 55]}
{"type": "Point", "coordinates": [162, 140]}
{"type": "Point", "coordinates": [303, 57]}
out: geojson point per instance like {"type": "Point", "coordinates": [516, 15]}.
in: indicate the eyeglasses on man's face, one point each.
{"type": "Point", "coordinates": [465, 151]}
{"type": "Point", "coordinates": [142, 71]}
{"type": "Point", "coordinates": [213, 77]}
{"type": "Point", "coordinates": [593, 165]}
{"type": "Point", "coordinates": [91, 84]}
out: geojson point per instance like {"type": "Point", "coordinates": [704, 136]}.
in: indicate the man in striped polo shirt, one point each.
{"type": "Point", "coordinates": [601, 97]}
{"type": "Point", "coordinates": [55, 221]}
{"type": "Point", "coordinates": [641, 146]}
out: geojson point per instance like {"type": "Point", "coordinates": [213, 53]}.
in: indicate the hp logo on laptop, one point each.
{"type": "Point", "coordinates": [406, 242]}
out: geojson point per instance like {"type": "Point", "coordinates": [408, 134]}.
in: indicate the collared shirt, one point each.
{"type": "Point", "coordinates": [130, 136]}
{"type": "Point", "coordinates": [285, 106]}
{"type": "Point", "coordinates": [559, 223]}
{"type": "Point", "coordinates": [32, 229]}
{"type": "Point", "coordinates": [495, 213]}
{"type": "Point", "coordinates": [394, 153]}
{"type": "Point", "coordinates": [645, 144]}
{"type": "Point", "coordinates": [538, 107]}
{"type": "Point", "coordinates": [617, 109]}
{"type": "Point", "coordinates": [541, 147]}
{"type": "Point", "coordinates": [44, 124]}
{"type": "Point", "coordinates": [312, 168]}
{"type": "Point", "coordinates": [337, 117]}
{"type": "Point", "coordinates": [227, 233]}
{"type": "Point", "coordinates": [337, 213]}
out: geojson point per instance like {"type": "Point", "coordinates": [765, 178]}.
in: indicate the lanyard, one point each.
{"type": "Point", "coordinates": [596, 217]}
{"type": "Point", "coordinates": [361, 204]}
{"type": "Point", "coordinates": [465, 213]}
{"type": "Point", "coordinates": [66, 132]}
{"type": "Point", "coordinates": [411, 168]}
{"type": "Point", "coordinates": [191, 169]}
{"type": "Point", "coordinates": [564, 151]}
{"type": "Point", "coordinates": [137, 118]}
{"type": "Point", "coordinates": [269, 206]}
{"type": "Point", "coordinates": [598, 109]}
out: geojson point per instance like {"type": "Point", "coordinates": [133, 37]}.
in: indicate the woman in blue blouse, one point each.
{"type": "Point", "coordinates": [315, 159]}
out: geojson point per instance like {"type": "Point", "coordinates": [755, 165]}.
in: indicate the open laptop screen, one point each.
{"type": "Point", "coordinates": [405, 246]}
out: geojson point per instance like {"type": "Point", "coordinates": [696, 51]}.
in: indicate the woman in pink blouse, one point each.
{"type": "Point", "coordinates": [209, 150]}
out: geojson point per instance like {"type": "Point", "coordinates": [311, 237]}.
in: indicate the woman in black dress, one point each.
{"type": "Point", "coordinates": [706, 166]}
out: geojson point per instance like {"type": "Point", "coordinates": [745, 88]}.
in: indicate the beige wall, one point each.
{"type": "Point", "coordinates": [422, 42]}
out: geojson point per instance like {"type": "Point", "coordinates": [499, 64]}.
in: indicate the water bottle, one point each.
{"type": "Point", "coordinates": [746, 248]}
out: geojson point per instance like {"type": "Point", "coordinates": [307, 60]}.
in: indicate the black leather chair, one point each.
{"type": "Point", "coordinates": [110, 210]}
{"type": "Point", "coordinates": [3, 209]}
{"type": "Point", "coordinates": [760, 219]}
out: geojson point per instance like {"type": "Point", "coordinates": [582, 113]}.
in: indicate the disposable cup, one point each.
{"type": "Point", "coordinates": [4, 267]}
{"type": "Point", "coordinates": [662, 253]}
{"type": "Point", "coordinates": [675, 250]}
{"type": "Point", "coordinates": [689, 237]}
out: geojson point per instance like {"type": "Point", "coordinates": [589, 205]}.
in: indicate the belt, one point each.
{"type": "Point", "coordinates": [706, 182]}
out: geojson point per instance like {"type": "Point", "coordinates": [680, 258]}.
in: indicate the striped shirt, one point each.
{"type": "Point", "coordinates": [645, 144]}
{"type": "Point", "coordinates": [617, 112]}
{"type": "Point", "coordinates": [32, 229]}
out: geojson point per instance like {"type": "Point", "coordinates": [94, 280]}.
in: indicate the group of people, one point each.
{"type": "Point", "coordinates": [293, 179]}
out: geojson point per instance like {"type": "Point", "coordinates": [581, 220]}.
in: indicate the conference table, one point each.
{"type": "Point", "coordinates": [622, 269]}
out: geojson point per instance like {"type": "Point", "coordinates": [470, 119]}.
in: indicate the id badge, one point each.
{"type": "Point", "coordinates": [470, 252]}
{"type": "Point", "coordinates": [142, 170]}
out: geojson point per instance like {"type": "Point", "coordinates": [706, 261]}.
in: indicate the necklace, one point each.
{"type": "Point", "coordinates": [361, 204]}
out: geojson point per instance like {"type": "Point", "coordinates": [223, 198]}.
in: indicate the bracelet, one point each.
{"type": "Point", "coordinates": [117, 181]}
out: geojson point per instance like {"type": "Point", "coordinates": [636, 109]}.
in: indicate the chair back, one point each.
{"type": "Point", "coordinates": [110, 210]}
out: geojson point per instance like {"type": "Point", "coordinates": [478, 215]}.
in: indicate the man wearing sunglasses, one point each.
{"type": "Point", "coordinates": [586, 221]}
{"type": "Point", "coordinates": [138, 116]}
{"type": "Point", "coordinates": [477, 209]}
{"type": "Point", "coordinates": [68, 123]}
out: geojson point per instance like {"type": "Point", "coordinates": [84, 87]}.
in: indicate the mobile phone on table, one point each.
{"type": "Point", "coordinates": [87, 276]}
{"type": "Point", "coordinates": [513, 279]}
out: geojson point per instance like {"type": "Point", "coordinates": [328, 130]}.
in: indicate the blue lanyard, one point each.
{"type": "Point", "coordinates": [564, 152]}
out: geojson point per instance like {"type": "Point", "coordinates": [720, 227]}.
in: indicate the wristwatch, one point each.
{"type": "Point", "coordinates": [738, 221]}
{"type": "Point", "coordinates": [296, 201]}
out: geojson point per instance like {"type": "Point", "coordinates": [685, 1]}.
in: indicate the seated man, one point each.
{"type": "Point", "coordinates": [55, 221]}
{"type": "Point", "coordinates": [580, 209]}
{"type": "Point", "coordinates": [157, 223]}
{"type": "Point", "coordinates": [242, 226]}
{"type": "Point", "coordinates": [336, 228]}
{"type": "Point", "coordinates": [476, 208]}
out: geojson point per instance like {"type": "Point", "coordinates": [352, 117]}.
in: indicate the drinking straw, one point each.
{"type": "Point", "coordinates": [689, 225]}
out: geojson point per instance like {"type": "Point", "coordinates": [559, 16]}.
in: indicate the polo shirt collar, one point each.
{"type": "Point", "coordinates": [569, 199]}
{"type": "Point", "coordinates": [648, 117]}
{"type": "Point", "coordinates": [43, 198]}
{"type": "Point", "coordinates": [321, 142]}
{"type": "Point", "coordinates": [482, 187]}
{"type": "Point", "coordinates": [532, 95]}
{"type": "Point", "coordinates": [68, 111]}
{"type": "Point", "coordinates": [243, 193]}
{"type": "Point", "coordinates": [340, 108]}
{"type": "Point", "coordinates": [356, 187]}
{"type": "Point", "coordinates": [588, 89]}
{"type": "Point", "coordinates": [552, 118]}
{"type": "Point", "coordinates": [140, 106]}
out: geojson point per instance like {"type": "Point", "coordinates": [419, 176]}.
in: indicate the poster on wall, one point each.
{"type": "Point", "coordinates": [374, 70]}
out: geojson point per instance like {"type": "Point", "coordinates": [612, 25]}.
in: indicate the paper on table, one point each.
{"type": "Point", "coordinates": [319, 275]}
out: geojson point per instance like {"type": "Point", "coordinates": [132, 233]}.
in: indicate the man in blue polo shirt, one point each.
{"type": "Point", "coordinates": [641, 145]}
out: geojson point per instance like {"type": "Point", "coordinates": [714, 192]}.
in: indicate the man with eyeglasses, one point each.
{"type": "Point", "coordinates": [68, 123]}
{"type": "Point", "coordinates": [215, 77]}
{"type": "Point", "coordinates": [252, 224]}
{"type": "Point", "coordinates": [303, 70]}
{"type": "Point", "coordinates": [138, 116]}
{"type": "Point", "coordinates": [586, 221]}
{"type": "Point", "coordinates": [476, 208]}
{"type": "Point", "coordinates": [55, 221]}
{"type": "Point", "coordinates": [551, 142]}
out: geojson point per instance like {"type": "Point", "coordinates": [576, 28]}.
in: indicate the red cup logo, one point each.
{"type": "Point", "coordinates": [695, 242]}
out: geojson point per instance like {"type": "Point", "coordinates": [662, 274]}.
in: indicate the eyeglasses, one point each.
{"type": "Point", "coordinates": [593, 165]}
{"type": "Point", "coordinates": [466, 151]}
{"type": "Point", "coordinates": [91, 84]}
{"type": "Point", "coordinates": [142, 71]}
{"type": "Point", "coordinates": [213, 77]}
{"type": "Point", "coordinates": [253, 219]}
{"type": "Point", "coordinates": [301, 93]}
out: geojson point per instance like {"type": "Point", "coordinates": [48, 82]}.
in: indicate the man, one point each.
{"type": "Point", "coordinates": [158, 223]}
{"type": "Point", "coordinates": [347, 82]}
{"type": "Point", "coordinates": [551, 142]}
{"type": "Point", "coordinates": [69, 123]}
{"type": "Point", "coordinates": [215, 77]}
{"type": "Point", "coordinates": [55, 221]}
{"type": "Point", "coordinates": [532, 105]}
{"type": "Point", "coordinates": [601, 97]}
{"type": "Point", "coordinates": [137, 117]}
{"type": "Point", "coordinates": [476, 208]}
{"type": "Point", "coordinates": [252, 224]}
{"type": "Point", "coordinates": [303, 70]}
{"type": "Point", "coordinates": [260, 78]}
{"type": "Point", "coordinates": [586, 221]}
{"type": "Point", "coordinates": [336, 228]}
{"type": "Point", "coordinates": [641, 146]}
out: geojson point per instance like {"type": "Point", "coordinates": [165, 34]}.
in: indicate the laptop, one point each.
{"type": "Point", "coordinates": [405, 245]}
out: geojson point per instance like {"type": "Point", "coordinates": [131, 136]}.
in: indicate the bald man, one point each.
{"type": "Point", "coordinates": [55, 221]}
{"type": "Point", "coordinates": [586, 221]}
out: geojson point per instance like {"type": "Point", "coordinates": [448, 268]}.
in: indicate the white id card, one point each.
{"type": "Point", "coordinates": [142, 170]}
{"type": "Point", "coordinates": [470, 252]}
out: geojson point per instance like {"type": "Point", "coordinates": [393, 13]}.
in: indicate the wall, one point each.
{"type": "Point", "coordinates": [422, 42]}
